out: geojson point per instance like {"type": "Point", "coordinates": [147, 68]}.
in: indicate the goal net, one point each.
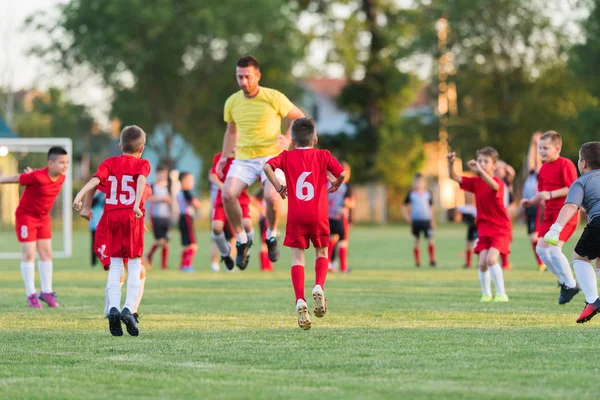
{"type": "Point", "coordinates": [15, 156]}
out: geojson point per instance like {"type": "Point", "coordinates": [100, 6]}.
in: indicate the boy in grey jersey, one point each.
{"type": "Point", "coordinates": [585, 192]}
{"type": "Point", "coordinates": [420, 202]}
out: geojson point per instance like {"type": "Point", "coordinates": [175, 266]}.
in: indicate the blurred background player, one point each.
{"type": "Point", "coordinates": [306, 172]}
{"type": "Point", "coordinates": [417, 210]}
{"type": "Point", "coordinates": [160, 210]}
{"type": "Point", "coordinates": [533, 213]}
{"type": "Point", "coordinates": [215, 184]}
{"type": "Point", "coordinates": [125, 180]}
{"type": "Point", "coordinates": [556, 175]}
{"type": "Point", "coordinates": [584, 192]}
{"type": "Point", "coordinates": [219, 223]}
{"type": "Point", "coordinates": [188, 204]}
{"type": "Point", "coordinates": [467, 213]}
{"type": "Point", "coordinates": [506, 173]}
{"type": "Point", "coordinates": [97, 209]}
{"type": "Point", "coordinates": [258, 200]}
{"type": "Point", "coordinates": [493, 224]}
{"type": "Point", "coordinates": [33, 225]}
{"type": "Point", "coordinates": [341, 203]}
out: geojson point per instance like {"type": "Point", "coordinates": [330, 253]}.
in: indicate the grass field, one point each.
{"type": "Point", "coordinates": [392, 332]}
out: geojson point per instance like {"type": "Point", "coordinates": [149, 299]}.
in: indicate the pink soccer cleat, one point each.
{"type": "Point", "coordinates": [33, 301]}
{"type": "Point", "coordinates": [49, 298]}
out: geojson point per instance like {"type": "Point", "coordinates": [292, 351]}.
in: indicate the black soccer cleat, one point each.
{"type": "Point", "coordinates": [229, 264]}
{"type": "Point", "coordinates": [129, 321]}
{"type": "Point", "coordinates": [243, 254]}
{"type": "Point", "coordinates": [566, 294]}
{"type": "Point", "coordinates": [433, 264]}
{"type": "Point", "coordinates": [114, 322]}
{"type": "Point", "coordinates": [273, 249]}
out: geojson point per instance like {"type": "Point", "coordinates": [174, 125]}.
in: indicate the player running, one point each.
{"type": "Point", "coordinates": [159, 207]}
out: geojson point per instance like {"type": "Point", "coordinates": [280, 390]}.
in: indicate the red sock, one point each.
{"type": "Point", "coordinates": [151, 252]}
{"type": "Point", "coordinates": [537, 258]}
{"type": "Point", "coordinates": [343, 259]}
{"type": "Point", "coordinates": [185, 257]}
{"type": "Point", "coordinates": [165, 256]}
{"type": "Point", "coordinates": [298, 281]}
{"type": "Point", "coordinates": [191, 255]}
{"type": "Point", "coordinates": [417, 254]}
{"type": "Point", "coordinates": [431, 252]}
{"type": "Point", "coordinates": [321, 266]}
{"type": "Point", "coordinates": [468, 260]}
{"type": "Point", "coordinates": [505, 261]}
{"type": "Point", "coordinates": [330, 250]}
{"type": "Point", "coordinates": [265, 263]}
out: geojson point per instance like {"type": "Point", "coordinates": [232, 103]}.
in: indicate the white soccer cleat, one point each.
{"type": "Point", "coordinates": [303, 315]}
{"type": "Point", "coordinates": [215, 267]}
{"type": "Point", "coordinates": [320, 305]}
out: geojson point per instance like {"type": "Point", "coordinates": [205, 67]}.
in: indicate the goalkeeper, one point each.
{"type": "Point", "coordinates": [585, 192]}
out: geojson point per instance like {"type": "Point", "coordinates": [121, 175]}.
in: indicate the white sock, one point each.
{"type": "Point", "coordinates": [497, 275]}
{"type": "Point", "coordinates": [271, 233]}
{"type": "Point", "coordinates": [113, 284]}
{"type": "Point", "coordinates": [106, 308]}
{"type": "Point", "coordinates": [559, 260]}
{"type": "Point", "coordinates": [45, 268]}
{"type": "Point", "coordinates": [28, 273]}
{"type": "Point", "coordinates": [133, 283]}
{"type": "Point", "coordinates": [242, 237]}
{"type": "Point", "coordinates": [587, 280]}
{"type": "Point", "coordinates": [221, 243]}
{"type": "Point", "coordinates": [250, 234]}
{"type": "Point", "coordinates": [544, 255]}
{"type": "Point", "coordinates": [140, 294]}
{"type": "Point", "coordinates": [485, 281]}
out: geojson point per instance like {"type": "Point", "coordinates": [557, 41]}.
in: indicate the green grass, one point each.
{"type": "Point", "coordinates": [391, 332]}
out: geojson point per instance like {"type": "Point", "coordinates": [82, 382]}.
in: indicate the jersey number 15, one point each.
{"type": "Point", "coordinates": [127, 195]}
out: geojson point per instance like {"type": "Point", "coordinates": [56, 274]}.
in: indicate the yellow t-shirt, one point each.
{"type": "Point", "coordinates": [258, 121]}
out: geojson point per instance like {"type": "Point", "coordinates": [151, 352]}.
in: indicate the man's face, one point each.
{"type": "Point", "coordinates": [247, 79]}
{"type": "Point", "coordinates": [58, 165]}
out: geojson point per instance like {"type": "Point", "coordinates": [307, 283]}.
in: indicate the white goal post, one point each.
{"type": "Point", "coordinates": [42, 145]}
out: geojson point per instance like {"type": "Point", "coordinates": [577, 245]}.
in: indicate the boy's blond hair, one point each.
{"type": "Point", "coordinates": [133, 138]}
{"type": "Point", "coordinates": [489, 152]}
{"type": "Point", "coordinates": [553, 137]}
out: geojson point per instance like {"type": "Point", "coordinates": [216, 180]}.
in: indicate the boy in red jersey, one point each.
{"type": "Point", "coordinates": [493, 224]}
{"type": "Point", "coordinates": [125, 179]}
{"type": "Point", "coordinates": [556, 176]}
{"type": "Point", "coordinates": [33, 226]}
{"type": "Point", "coordinates": [259, 202]}
{"type": "Point", "coordinates": [219, 218]}
{"type": "Point", "coordinates": [305, 170]}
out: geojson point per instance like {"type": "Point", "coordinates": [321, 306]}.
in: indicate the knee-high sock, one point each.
{"type": "Point", "coordinates": [586, 277]}
{"type": "Point", "coordinates": [28, 274]}
{"type": "Point", "coordinates": [498, 277]}
{"type": "Point", "coordinates": [559, 260]}
{"type": "Point", "coordinates": [221, 243]}
{"type": "Point", "coordinates": [297, 273]}
{"type": "Point", "coordinates": [486, 282]}
{"type": "Point", "coordinates": [113, 284]}
{"type": "Point", "coordinates": [544, 255]}
{"type": "Point", "coordinates": [45, 268]}
{"type": "Point", "coordinates": [165, 256]}
{"type": "Point", "coordinates": [321, 266]}
{"type": "Point", "coordinates": [133, 283]}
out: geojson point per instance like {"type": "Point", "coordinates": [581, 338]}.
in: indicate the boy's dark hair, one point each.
{"type": "Point", "coordinates": [183, 175]}
{"type": "Point", "coordinates": [489, 152]}
{"type": "Point", "coordinates": [304, 131]}
{"type": "Point", "coordinates": [418, 175]}
{"type": "Point", "coordinates": [590, 153]}
{"type": "Point", "coordinates": [56, 151]}
{"type": "Point", "coordinates": [248, 61]}
{"type": "Point", "coordinates": [161, 167]}
{"type": "Point", "coordinates": [132, 139]}
{"type": "Point", "coordinates": [552, 136]}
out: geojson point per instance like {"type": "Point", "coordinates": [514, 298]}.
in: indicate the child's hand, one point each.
{"type": "Point", "coordinates": [473, 165]}
{"type": "Point", "coordinates": [335, 185]}
{"type": "Point", "coordinates": [27, 170]}
{"type": "Point", "coordinates": [451, 157]}
{"type": "Point", "coordinates": [138, 212]}
{"type": "Point", "coordinates": [77, 203]}
{"type": "Point", "coordinates": [544, 195]}
{"type": "Point", "coordinates": [283, 192]}
{"type": "Point", "coordinates": [86, 213]}
{"type": "Point", "coordinates": [526, 203]}
{"type": "Point", "coordinates": [146, 228]}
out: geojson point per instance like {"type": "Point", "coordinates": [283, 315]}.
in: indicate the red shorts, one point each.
{"type": "Point", "coordinates": [550, 219]}
{"type": "Point", "coordinates": [30, 229]}
{"type": "Point", "coordinates": [100, 243]}
{"type": "Point", "coordinates": [124, 234]}
{"type": "Point", "coordinates": [501, 243]}
{"type": "Point", "coordinates": [219, 212]}
{"type": "Point", "coordinates": [303, 241]}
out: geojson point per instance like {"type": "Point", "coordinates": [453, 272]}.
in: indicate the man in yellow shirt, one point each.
{"type": "Point", "coordinates": [253, 117]}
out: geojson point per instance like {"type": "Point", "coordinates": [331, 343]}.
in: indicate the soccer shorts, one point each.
{"type": "Point", "coordinates": [30, 229]}
{"type": "Point", "coordinates": [565, 234]}
{"type": "Point", "coordinates": [124, 234]}
{"type": "Point", "coordinates": [303, 241]}
{"type": "Point", "coordinates": [502, 244]}
{"type": "Point", "coordinates": [424, 226]}
{"type": "Point", "coordinates": [337, 227]}
{"type": "Point", "coordinates": [249, 170]}
{"type": "Point", "coordinates": [100, 243]}
{"type": "Point", "coordinates": [531, 218]}
{"type": "Point", "coordinates": [219, 212]}
{"type": "Point", "coordinates": [160, 228]}
{"type": "Point", "coordinates": [588, 244]}
{"type": "Point", "coordinates": [186, 227]}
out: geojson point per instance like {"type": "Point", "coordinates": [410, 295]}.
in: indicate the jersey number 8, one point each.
{"type": "Point", "coordinates": [127, 196]}
{"type": "Point", "coordinates": [305, 191]}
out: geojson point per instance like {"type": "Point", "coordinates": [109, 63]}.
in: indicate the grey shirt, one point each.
{"type": "Point", "coordinates": [420, 203]}
{"type": "Point", "coordinates": [585, 192]}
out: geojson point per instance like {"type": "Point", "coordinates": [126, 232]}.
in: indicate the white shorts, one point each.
{"type": "Point", "coordinates": [249, 170]}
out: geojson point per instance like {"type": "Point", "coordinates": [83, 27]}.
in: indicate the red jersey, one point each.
{"type": "Point", "coordinates": [119, 175]}
{"type": "Point", "coordinates": [306, 176]}
{"type": "Point", "coordinates": [40, 193]}
{"type": "Point", "coordinates": [492, 218]}
{"type": "Point", "coordinates": [244, 199]}
{"type": "Point", "coordinates": [555, 175]}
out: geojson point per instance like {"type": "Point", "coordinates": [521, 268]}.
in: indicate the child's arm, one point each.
{"type": "Point", "coordinates": [139, 192]}
{"type": "Point", "coordinates": [474, 165]}
{"type": "Point", "coordinates": [279, 188]}
{"type": "Point", "coordinates": [214, 179]}
{"type": "Point", "coordinates": [77, 203]}
{"type": "Point", "coordinates": [452, 175]}
{"type": "Point", "coordinates": [86, 210]}
{"type": "Point", "coordinates": [404, 209]}
{"type": "Point", "coordinates": [335, 185]}
{"type": "Point", "coordinates": [196, 203]}
{"type": "Point", "coordinates": [9, 179]}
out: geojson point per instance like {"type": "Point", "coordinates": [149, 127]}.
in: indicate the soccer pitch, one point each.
{"type": "Point", "coordinates": [392, 331]}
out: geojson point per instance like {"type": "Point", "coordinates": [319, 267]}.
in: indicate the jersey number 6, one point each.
{"type": "Point", "coordinates": [127, 195]}
{"type": "Point", "coordinates": [305, 191]}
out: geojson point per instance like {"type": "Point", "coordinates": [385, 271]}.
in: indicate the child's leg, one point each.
{"type": "Point", "coordinates": [431, 248]}
{"type": "Point", "coordinates": [141, 292]}
{"type": "Point", "coordinates": [496, 271]}
{"type": "Point", "coordinates": [44, 248]}
{"type": "Point", "coordinates": [343, 249]}
{"type": "Point", "coordinates": [469, 253]}
{"type": "Point", "coordinates": [417, 251]}
{"type": "Point", "coordinates": [113, 284]}
{"type": "Point", "coordinates": [586, 277]}
{"type": "Point", "coordinates": [543, 252]}
{"type": "Point", "coordinates": [133, 283]}
{"type": "Point", "coordinates": [321, 266]}
{"type": "Point", "coordinates": [534, 239]}
{"type": "Point", "coordinates": [218, 237]}
{"type": "Point", "coordinates": [332, 245]}
{"type": "Point", "coordinates": [165, 254]}
{"type": "Point", "coordinates": [94, 258]}
{"type": "Point", "coordinates": [297, 273]}
{"type": "Point", "coordinates": [484, 275]}
{"type": "Point", "coordinates": [28, 267]}
{"type": "Point", "coordinates": [155, 246]}
{"type": "Point", "coordinates": [561, 263]}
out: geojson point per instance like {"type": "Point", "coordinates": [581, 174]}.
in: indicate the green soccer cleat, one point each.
{"type": "Point", "coordinates": [485, 298]}
{"type": "Point", "coordinates": [501, 298]}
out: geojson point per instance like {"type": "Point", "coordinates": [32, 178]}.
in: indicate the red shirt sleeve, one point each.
{"type": "Point", "coordinates": [103, 171]}
{"type": "Point", "coordinates": [468, 184]}
{"type": "Point", "coordinates": [216, 159]}
{"type": "Point", "coordinates": [28, 179]}
{"type": "Point", "coordinates": [278, 162]}
{"type": "Point", "coordinates": [334, 165]}
{"type": "Point", "coordinates": [144, 168]}
{"type": "Point", "coordinates": [569, 173]}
